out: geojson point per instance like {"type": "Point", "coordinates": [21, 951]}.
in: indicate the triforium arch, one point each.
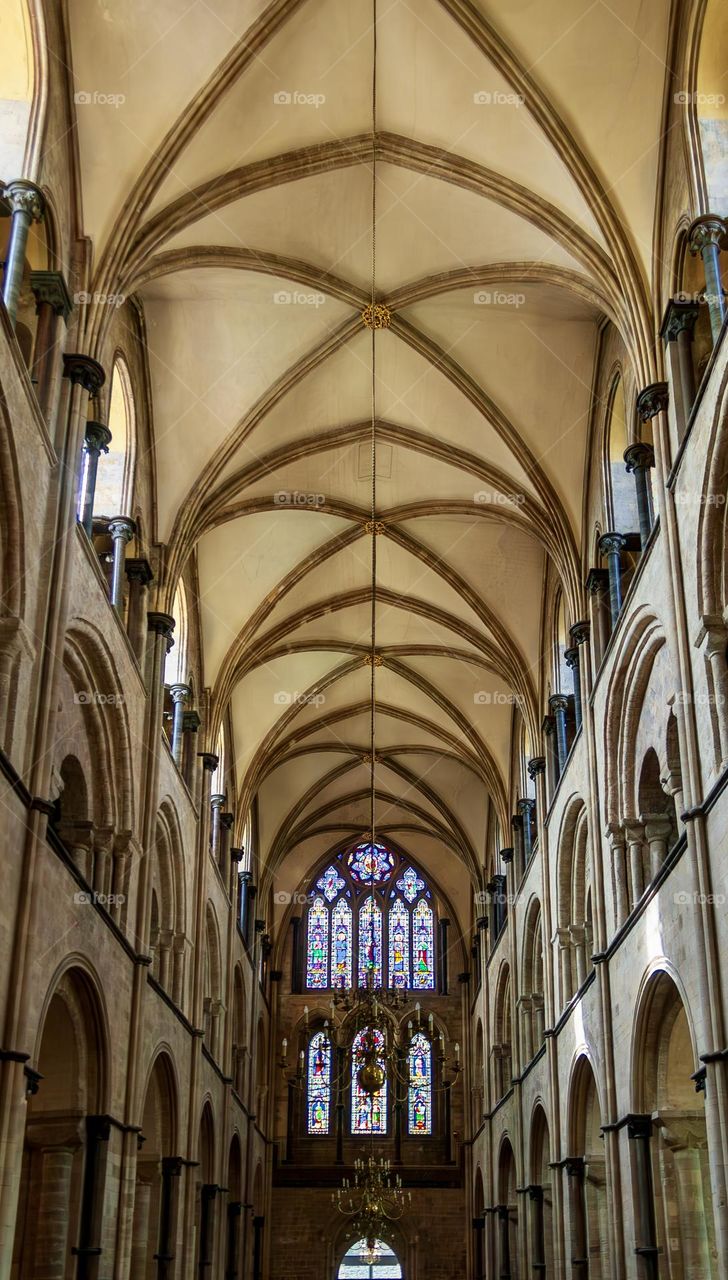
{"type": "Point", "coordinates": [574, 935]}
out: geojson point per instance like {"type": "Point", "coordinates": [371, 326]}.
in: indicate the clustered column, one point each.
{"type": "Point", "coordinates": [678, 327]}
{"type": "Point", "coordinates": [638, 459]}
{"type": "Point", "coordinates": [122, 530]}
{"type": "Point", "coordinates": [611, 545]}
{"type": "Point", "coordinates": [52, 301]}
{"type": "Point", "coordinates": [707, 236]}
{"type": "Point", "coordinates": [27, 205]}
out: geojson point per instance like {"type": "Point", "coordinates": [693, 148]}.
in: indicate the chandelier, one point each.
{"type": "Point", "coordinates": [375, 1198]}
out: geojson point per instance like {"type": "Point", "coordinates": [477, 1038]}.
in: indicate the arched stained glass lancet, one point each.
{"type": "Point", "coordinates": [341, 950]}
{"type": "Point", "coordinates": [317, 946]}
{"type": "Point", "coordinates": [368, 1111]}
{"type": "Point", "coordinates": [370, 942]}
{"type": "Point", "coordinates": [423, 975]}
{"type": "Point", "coordinates": [419, 1102]}
{"type": "Point", "coordinates": [319, 1084]}
{"type": "Point", "coordinates": [399, 948]}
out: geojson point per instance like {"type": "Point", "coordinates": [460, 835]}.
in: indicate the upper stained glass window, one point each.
{"type": "Point", "coordinates": [410, 884]}
{"type": "Point", "coordinates": [319, 1084]}
{"type": "Point", "coordinates": [370, 912]}
{"type": "Point", "coordinates": [368, 1111]}
{"type": "Point", "coordinates": [330, 884]}
{"type": "Point", "coordinates": [341, 945]}
{"type": "Point", "coordinates": [419, 1103]}
{"type": "Point", "coordinates": [399, 945]}
{"type": "Point", "coordinates": [317, 957]}
{"type": "Point", "coordinates": [370, 942]}
{"type": "Point", "coordinates": [371, 863]}
{"type": "Point", "coordinates": [423, 945]}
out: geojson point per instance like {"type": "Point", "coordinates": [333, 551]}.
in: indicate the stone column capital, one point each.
{"type": "Point", "coordinates": [161, 624]}
{"type": "Point", "coordinates": [639, 454]}
{"type": "Point", "coordinates": [708, 229]}
{"type": "Point", "coordinates": [506, 855]}
{"type": "Point", "coordinates": [96, 437]}
{"type": "Point", "coordinates": [237, 855]}
{"type": "Point", "coordinates": [217, 800]}
{"type": "Point", "coordinates": [179, 692]}
{"type": "Point", "coordinates": [657, 825]}
{"type": "Point", "coordinates": [50, 287]}
{"type": "Point", "coordinates": [227, 820]}
{"type": "Point", "coordinates": [525, 806]}
{"type": "Point", "coordinates": [634, 830]}
{"type": "Point", "coordinates": [652, 400]}
{"type": "Point", "coordinates": [209, 760]}
{"type": "Point", "coordinates": [580, 631]}
{"type": "Point", "coordinates": [536, 766]}
{"type": "Point", "coordinates": [571, 657]}
{"type": "Point", "coordinates": [139, 570]}
{"type": "Point", "coordinates": [558, 702]}
{"type": "Point", "coordinates": [84, 371]}
{"type": "Point", "coordinates": [680, 316]}
{"type": "Point", "coordinates": [190, 722]}
{"type": "Point", "coordinates": [122, 527]}
{"type": "Point", "coordinates": [612, 543]}
{"type": "Point", "coordinates": [597, 581]}
{"type": "Point", "coordinates": [24, 197]}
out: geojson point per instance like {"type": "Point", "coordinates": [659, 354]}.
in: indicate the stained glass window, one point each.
{"type": "Point", "coordinates": [319, 1083]}
{"type": "Point", "coordinates": [420, 1087]}
{"type": "Point", "coordinates": [363, 1263]}
{"type": "Point", "coordinates": [330, 884]}
{"type": "Point", "coordinates": [317, 953]}
{"type": "Point", "coordinates": [368, 1111]}
{"type": "Point", "coordinates": [371, 912]}
{"type": "Point", "coordinates": [371, 863]}
{"type": "Point", "coordinates": [410, 884]}
{"type": "Point", "coordinates": [370, 942]}
{"type": "Point", "coordinates": [399, 948]}
{"type": "Point", "coordinates": [423, 969]}
{"type": "Point", "coordinates": [341, 945]}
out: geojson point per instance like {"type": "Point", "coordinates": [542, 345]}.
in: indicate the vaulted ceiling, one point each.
{"type": "Point", "coordinates": [517, 150]}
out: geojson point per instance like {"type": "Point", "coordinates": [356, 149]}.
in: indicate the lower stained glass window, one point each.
{"type": "Point", "coordinates": [319, 1084]}
{"type": "Point", "coordinates": [368, 1111]}
{"type": "Point", "coordinates": [419, 1111]}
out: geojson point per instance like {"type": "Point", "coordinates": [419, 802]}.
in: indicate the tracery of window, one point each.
{"type": "Point", "coordinates": [419, 1106]}
{"type": "Point", "coordinates": [368, 1111]}
{"type": "Point", "coordinates": [370, 912]}
{"type": "Point", "coordinates": [319, 1084]}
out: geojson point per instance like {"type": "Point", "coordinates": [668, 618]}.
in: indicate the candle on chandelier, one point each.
{"type": "Point", "coordinates": [284, 1046]}
{"type": "Point", "coordinates": [305, 1014]}
{"type": "Point", "coordinates": [431, 1023]}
